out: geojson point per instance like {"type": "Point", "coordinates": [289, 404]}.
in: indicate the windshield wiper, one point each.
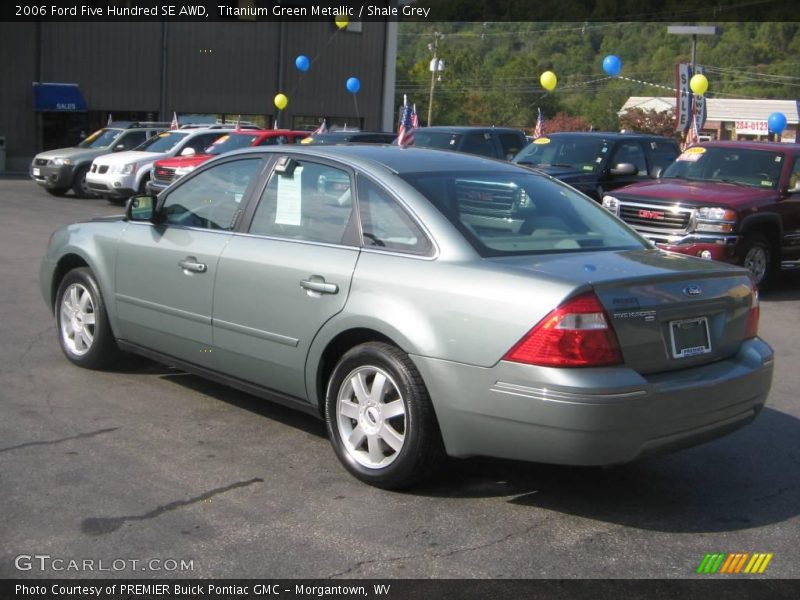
{"type": "Point", "coordinates": [734, 182]}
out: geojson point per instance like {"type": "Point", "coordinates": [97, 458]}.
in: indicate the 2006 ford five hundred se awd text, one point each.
{"type": "Point", "coordinates": [423, 302]}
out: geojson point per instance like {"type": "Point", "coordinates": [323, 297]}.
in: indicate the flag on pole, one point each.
{"type": "Point", "coordinates": [538, 131]}
{"type": "Point", "coordinates": [110, 120]}
{"type": "Point", "coordinates": [323, 128]}
{"type": "Point", "coordinates": [174, 124]}
{"type": "Point", "coordinates": [414, 117]}
{"type": "Point", "coordinates": [692, 136]}
{"type": "Point", "coordinates": [238, 123]}
{"type": "Point", "coordinates": [405, 133]}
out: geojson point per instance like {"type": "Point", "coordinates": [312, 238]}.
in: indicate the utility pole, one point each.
{"type": "Point", "coordinates": [437, 66]}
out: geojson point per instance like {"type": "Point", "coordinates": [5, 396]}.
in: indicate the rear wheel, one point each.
{"type": "Point", "coordinates": [757, 258]}
{"type": "Point", "coordinates": [380, 418]}
{"type": "Point", "coordinates": [83, 329]}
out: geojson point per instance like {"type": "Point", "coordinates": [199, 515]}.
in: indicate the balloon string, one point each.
{"type": "Point", "coordinates": [358, 115]}
{"type": "Point", "coordinates": [313, 60]}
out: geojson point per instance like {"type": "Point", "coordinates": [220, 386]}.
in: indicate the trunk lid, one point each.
{"type": "Point", "coordinates": [668, 311]}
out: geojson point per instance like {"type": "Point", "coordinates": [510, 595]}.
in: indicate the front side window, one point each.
{"type": "Point", "coordinates": [480, 144]}
{"type": "Point", "coordinates": [305, 201]}
{"type": "Point", "coordinates": [133, 139]}
{"type": "Point", "coordinates": [505, 214]}
{"type": "Point", "coordinates": [211, 199]}
{"type": "Point", "coordinates": [632, 153]}
{"type": "Point", "coordinates": [233, 141]}
{"type": "Point", "coordinates": [384, 223]}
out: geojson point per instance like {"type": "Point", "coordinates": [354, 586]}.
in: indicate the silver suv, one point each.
{"type": "Point", "coordinates": [63, 169]}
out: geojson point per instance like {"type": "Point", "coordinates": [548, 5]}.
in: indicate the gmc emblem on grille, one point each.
{"type": "Point", "coordinates": [651, 214]}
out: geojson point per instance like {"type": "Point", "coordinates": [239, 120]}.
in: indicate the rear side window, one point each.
{"type": "Point", "coordinates": [385, 224]}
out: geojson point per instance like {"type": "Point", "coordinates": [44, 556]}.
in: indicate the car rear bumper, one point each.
{"type": "Point", "coordinates": [593, 416]}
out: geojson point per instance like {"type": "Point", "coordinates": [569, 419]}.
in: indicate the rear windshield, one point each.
{"type": "Point", "coordinates": [737, 166]}
{"type": "Point", "coordinates": [506, 214]}
{"type": "Point", "coordinates": [163, 142]}
{"type": "Point", "coordinates": [582, 153]}
{"type": "Point", "coordinates": [231, 142]}
{"type": "Point", "coordinates": [101, 138]}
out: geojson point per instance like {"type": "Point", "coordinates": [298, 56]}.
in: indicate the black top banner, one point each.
{"type": "Point", "coordinates": [400, 10]}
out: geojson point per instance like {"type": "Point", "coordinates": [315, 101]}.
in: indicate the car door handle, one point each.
{"type": "Point", "coordinates": [190, 264]}
{"type": "Point", "coordinates": [320, 286]}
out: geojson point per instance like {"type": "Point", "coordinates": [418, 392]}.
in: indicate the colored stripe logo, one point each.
{"type": "Point", "coordinates": [734, 563]}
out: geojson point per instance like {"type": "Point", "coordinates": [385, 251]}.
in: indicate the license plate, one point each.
{"type": "Point", "coordinates": [690, 337]}
{"type": "Point", "coordinates": [36, 172]}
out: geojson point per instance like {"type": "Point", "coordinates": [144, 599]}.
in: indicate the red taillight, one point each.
{"type": "Point", "coordinates": [753, 315]}
{"type": "Point", "coordinates": [576, 334]}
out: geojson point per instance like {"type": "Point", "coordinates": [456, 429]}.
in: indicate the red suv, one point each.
{"type": "Point", "coordinates": [169, 169]}
{"type": "Point", "coordinates": [737, 202]}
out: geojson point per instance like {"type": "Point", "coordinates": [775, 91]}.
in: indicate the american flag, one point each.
{"type": "Point", "coordinates": [405, 134]}
{"type": "Point", "coordinates": [238, 123]}
{"type": "Point", "coordinates": [174, 124]}
{"type": "Point", "coordinates": [414, 118]}
{"type": "Point", "coordinates": [323, 128]}
{"type": "Point", "coordinates": [539, 129]}
{"type": "Point", "coordinates": [692, 135]}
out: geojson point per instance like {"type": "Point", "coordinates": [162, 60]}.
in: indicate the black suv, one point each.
{"type": "Point", "coordinates": [596, 162]}
{"type": "Point", "coordinates": [494, 142]}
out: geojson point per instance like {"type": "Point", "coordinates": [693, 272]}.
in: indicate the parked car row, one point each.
{"type": "Point", "coordinates": [728, 201]}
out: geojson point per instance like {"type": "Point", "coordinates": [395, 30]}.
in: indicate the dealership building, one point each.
{"type": "Point", "coordinates": [731, 118]}
{"type": "Point", "coordinates": [62, 80]}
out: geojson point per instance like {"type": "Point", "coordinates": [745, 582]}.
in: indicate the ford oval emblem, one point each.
{"type": "Point", "coordinates": [692, 290]}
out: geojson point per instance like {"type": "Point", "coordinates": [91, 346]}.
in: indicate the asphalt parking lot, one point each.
{"type": "Point", "coordinates": [146, 463]}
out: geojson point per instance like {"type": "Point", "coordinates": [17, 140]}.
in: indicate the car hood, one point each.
{"type": "Point", "coordinates": [184, 161]}
{"type": "Point", "coordinates": [696, 192]}
{"type": "Point", "coordinates": [131, 156]}
{"type": "Point", "coordinates": [74, 153]}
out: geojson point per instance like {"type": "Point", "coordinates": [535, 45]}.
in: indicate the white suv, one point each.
{"type": "Point", "coordinates": [121, 175]}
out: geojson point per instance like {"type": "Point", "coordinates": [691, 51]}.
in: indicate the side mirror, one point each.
{"type": "Point", "coordinates": [141, 208]}
{"type": "Point", "coordinates": [624, 169]}
{"type": "Point", "coordinates": [188, 152]}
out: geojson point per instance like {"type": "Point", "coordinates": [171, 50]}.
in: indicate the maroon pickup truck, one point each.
{"type": "Point", "coordinates": [737, 202]}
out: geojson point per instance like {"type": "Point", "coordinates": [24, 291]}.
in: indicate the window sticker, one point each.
{"type": "Point", "coordinates": [541, 140]}
{"type": "Point", "coordinates": [289, 203]}
{"type": "Point", "coordinates": [93, 136]}
{"type": "Point", "coordinates": [588, 167]}
{"type": "Point", "coordinates": [692, 154]}
{"type": "Point", "coordinates": [766, 183]}
{"type": "Point", "coordinates": [778, 158]}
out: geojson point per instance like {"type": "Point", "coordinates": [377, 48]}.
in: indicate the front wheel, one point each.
{"type": "Point", "coordinates": [757, 258]}
{"type": "Point", "coordinates": [83, 329]}
{"type": "Point", "coordinates": [80, 186]}
{"type": "Point", "coordinates": [380, 418]}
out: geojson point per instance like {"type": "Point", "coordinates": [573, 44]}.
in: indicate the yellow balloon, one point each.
{"type": "Point", "coordinates": [341, 21]}
{"type": "Point", "coordinates": [281, 101]}
{"type": "Point", "coordinates": [548, 80]}
{"type": "Point", "coordinates": [699, 84]}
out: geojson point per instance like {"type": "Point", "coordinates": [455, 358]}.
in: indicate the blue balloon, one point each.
{"type": "Point", "coordinates": [612, 65]}
{"type": "Point", "coordinates": [302, 63]}
{"type": "Point", "coordinates": [353, 85]}
{"type": "Point", "coordinates": [777, 122]}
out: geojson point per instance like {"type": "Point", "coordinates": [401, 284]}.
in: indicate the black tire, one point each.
{"type": "Point", "coordinates": [758, 258]}
{"type": "Point", "coordinates": [420, 450]}
{"type": "Point", "coordinates": [57, 191]}
{"type": "Point", "coordinates": [101, 351]}
{"type": "Point", "coordinates": [143, 185]}
{"type": "Point", "coordinates": [79, 185]}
